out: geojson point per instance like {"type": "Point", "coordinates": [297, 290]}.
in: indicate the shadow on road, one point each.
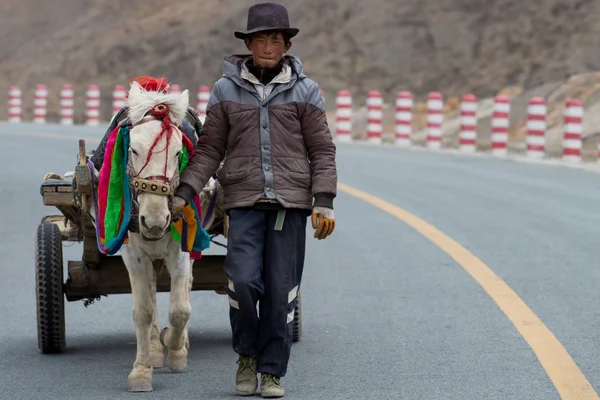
{"type": "Point", "coordinates": [98, 365]}
{"type": "Point", "coordinates": [110, 345]}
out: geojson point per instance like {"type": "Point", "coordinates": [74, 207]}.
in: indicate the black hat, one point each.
{"type": "Point", "coordinates": [267, 17]}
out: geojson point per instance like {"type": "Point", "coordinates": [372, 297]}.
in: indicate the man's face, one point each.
{"type": "Point", "coordinates": [267, 48]}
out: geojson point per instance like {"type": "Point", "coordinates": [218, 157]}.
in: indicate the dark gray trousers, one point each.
{"type": "Point", "coordinates": [265, 266]}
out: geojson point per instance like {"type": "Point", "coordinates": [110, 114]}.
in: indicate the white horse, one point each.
{"type": "Point", "coordinates": [153, 172]}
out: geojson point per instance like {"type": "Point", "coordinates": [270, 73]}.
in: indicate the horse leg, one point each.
{"type": "Point", "coordinates": [140, 276]}
{"type": "Point", "coordinates": [157, 358]}
{"type": "Point", "coordinates": [175, 337]}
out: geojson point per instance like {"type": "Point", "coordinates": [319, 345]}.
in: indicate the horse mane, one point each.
{"type": "Point", "coordinates": [146, 92]}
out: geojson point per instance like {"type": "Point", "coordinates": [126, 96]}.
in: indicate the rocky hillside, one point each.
{"type": "Point", "coordinates": [454, 46]}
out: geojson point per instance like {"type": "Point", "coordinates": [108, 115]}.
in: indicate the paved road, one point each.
{"type": "Point", "coordinates": [387, 314]}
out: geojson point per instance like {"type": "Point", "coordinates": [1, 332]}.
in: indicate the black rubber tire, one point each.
{"type": "Point", "coordinates": [49, 289]}
{"type": "Point", "coordinates": [297, 330]}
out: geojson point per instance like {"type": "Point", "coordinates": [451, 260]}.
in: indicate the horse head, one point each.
{"type": "Point", "coordinates": [155, 143]}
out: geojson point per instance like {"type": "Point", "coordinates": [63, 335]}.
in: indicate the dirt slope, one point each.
{"type": "Point", "coordinates": [454, 46]}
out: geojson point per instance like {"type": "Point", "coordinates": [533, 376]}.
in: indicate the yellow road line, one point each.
{"type": "Point", "coordinates": [554, 358]}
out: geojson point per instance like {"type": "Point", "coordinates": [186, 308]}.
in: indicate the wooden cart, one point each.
{"type": "Point", "coordinates": [96, 274]}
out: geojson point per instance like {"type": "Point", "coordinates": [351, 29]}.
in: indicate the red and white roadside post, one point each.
{"type": "Point", "coordinates": [203, 97]}
{"type": "Point", "coordinates": [66, 104]}
{"type": "Point", "coordinates": [40, 103]}
{"type": "Point", "coordinates": [374, 116]}
{"type": "Point", "coordinates": [467, 135]}
{"type": "Point", "coordinates": [536, 127]}
{"type": "Point", "coordinates": [92, 105]}
{"type": "Point", "coordinates": [118, 99]}
{"type": "Point", "coordinates": [175, 89]}
{"type": "Point", "coordinates": [573, 128]}
{"type": "Point", "coordinates": [15, 104]}
{"type": "Point", "coordinates": [404, 116]}
{"type": "Point", "coordinates": [343, 116]}
{"type": "Point", "coordinates": [435, 119]}
{"type": "Point", "coordinates": [500, 124]}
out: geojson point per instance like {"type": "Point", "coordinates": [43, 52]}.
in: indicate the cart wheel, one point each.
{"type": "Point", "coordinates": [297, 330]}
{"type": "Point", "coordinates": [49, 289]}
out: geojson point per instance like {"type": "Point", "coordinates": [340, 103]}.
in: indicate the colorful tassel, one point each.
{"type": "Point", "coordinates": [112, 202]}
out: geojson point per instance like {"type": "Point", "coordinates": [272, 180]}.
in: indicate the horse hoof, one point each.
{"type": "Point", "coordinates": [140, 387]}
{"type": "Point", "coordinates": [157, 361]}
{"type": "Point", "coordinates": [161, 337]}
{"type": "Point", "coordinates": [140, 379]}
{"type": "Point", "coordinates": [177, 364]}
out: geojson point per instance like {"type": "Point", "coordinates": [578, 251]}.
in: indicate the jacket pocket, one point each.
{"type": "Point", "coordinates": [233, 177]}
{"type": "Point", "coordinates": [300, 179]}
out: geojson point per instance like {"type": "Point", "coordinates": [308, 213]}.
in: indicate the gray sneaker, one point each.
{"type": "Point", "coordinates": [270, 386]}
{"type": "Point", "coordinates": [246, 381]}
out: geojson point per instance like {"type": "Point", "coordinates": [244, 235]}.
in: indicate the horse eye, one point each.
{"type": "Point", "coordinates": [134, 152]}
{"type": "Point", "coordinates": [178, 153]}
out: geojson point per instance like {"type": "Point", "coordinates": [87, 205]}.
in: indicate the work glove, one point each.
{"type": "Point", "coordinates": [323, 222]}
{"type": "Point", "coordinates": [176, 207]}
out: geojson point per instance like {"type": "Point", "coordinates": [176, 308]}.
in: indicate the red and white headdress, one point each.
{"type": "Point", "coordinates": [146, 92]}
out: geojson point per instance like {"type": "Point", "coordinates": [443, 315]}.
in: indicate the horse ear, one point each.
{"type": "Point", "coordinates": [181, 105]}
{"type": "Point", "coordinates": [135, 102]}
{"type": "Point", "coordinates": [135, 92]}
{"type": "Point", "coordinates": [184, 98]}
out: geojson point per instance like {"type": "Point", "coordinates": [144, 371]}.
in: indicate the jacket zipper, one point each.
{"type": "Point", "coordinates": [264, 96]}
{"type": "Point", "coordinates": [264, 91]}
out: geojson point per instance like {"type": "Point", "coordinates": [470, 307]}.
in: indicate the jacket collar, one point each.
{"type": "Point", "coordinates": [233, 67]}
{"type": "Point", "coordinates": [284, 76]}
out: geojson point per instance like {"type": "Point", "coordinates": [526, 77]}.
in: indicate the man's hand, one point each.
{"type": "Point", "coordinates": [178, 204]}
{"type": "Point", "coordinates": [323, 221]}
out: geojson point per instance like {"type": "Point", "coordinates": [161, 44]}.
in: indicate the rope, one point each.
{"type": "Point", "coordinates": [217, 243]}
{"type": "Point", "coordinates": [95, 295]}
{"type": "Point", "coordinates": [211, 206]}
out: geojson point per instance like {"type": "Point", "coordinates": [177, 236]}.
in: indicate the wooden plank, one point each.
{"type": "Point", "coordinates": [111, 277]}
{"type": "Point", "coordinates": [83, 179]}
{"type": "Point", "coordinates": [54, 198]}
{"type": "Point", "coordinates": [57, 193]}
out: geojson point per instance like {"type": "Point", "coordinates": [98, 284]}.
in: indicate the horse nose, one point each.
{"type": "Point", "coordinates": [143, 222]}
{"type": "Point", "coordinates": [145, 225]}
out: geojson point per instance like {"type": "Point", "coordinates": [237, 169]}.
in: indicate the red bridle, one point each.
{"type": "Point", "coordinates": [157, 184]}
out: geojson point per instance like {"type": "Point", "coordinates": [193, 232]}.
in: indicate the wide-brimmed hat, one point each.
{"type": "Point", "coordinates": [267, 17]}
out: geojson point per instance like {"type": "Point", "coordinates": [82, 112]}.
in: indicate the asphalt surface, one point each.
{"type": "Point", "coordinates": [387, 314]}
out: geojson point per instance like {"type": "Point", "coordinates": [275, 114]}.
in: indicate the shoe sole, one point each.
{"type": "Point", "coordinates": [272, 393]}
{"type": "Point", "coordinates": [242, 393]}
{"type": "Point", "coordinates": [246, 392]}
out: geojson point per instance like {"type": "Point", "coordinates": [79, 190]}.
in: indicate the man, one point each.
{"type": "Point", "coordinates": [265, 117]}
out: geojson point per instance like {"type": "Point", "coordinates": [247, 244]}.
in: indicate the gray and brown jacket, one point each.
{"type": "Point", "coordinates": [275, 140]}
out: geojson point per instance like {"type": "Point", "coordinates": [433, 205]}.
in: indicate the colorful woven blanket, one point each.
{"type": "Point", "coordinates": [113, 200]}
